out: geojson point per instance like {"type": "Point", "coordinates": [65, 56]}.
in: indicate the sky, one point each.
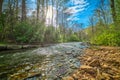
{"type": "Point", "coordinates": [79, 11]}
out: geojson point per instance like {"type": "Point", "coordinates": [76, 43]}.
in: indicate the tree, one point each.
{"type": "Point", "coordinates": [112, 4]}
{"type": "Point", "coordinates": [23, 10]}
{"type": "Point", "coordinates": [102, 13]}
{"type": "Point", "coordinates": [92, 23]}
{"type": "Point", "coordinates": [17, 9]}
{"type": "Point", "coordinates": [38, 9]}
{"type": "Point", "coordinates": [117, 9]}
{"type": "Point", "coordinates": [1, 3]}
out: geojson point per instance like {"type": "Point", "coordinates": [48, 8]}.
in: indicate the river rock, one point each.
{"type": "Point", "coordinates": [88, 69]}
{"type": "Point", "coordinates": [105, 76]}
{"type": "Point", "coordinates": [83, 67]}
{"type": "Point", "coordinates": [68, 78]}
{"type": "Point", "coordinates": [60, 61]}
{"type": "Point", "coordinates": [89, 59]}
{"type": "Point", "coordinates": [76, 76]}
{"type": "Point", "coordinates": [95, 63]}
{"type": "Point", "coordinates": [27, 68]}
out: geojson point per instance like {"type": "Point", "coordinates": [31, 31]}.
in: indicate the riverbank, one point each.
{"type": "Point", "coordinates": [17, 47]}
{"type": "Point", "coordinates": [9, 46]}
{"type": "Point", "coordinates": [4, 47]}
{"type": "Point", "coordinates": [98, 63]}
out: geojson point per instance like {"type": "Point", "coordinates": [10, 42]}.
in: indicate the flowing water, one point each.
{"type": "Point", "coordinates": [47, 63]}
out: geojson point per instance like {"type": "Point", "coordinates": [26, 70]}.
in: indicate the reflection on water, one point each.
{"type": "Point", "coordinates": [49, 63]}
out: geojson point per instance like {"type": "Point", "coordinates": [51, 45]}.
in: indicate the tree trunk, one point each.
{"type": "Point", "coordinates": [113, 10]}
{"type": "Point", "coordinates": [23, 10]}
{"type": "Point", "coordinates": [38, 9]}
{"type": "Point", "coordinates": [17, 8]}
{"type": "Point", "coordinates": [1, 2]}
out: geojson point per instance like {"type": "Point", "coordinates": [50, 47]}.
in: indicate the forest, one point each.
{"type": "Point", "coordinates": [18, 25]}
{"type": "Point", "coordinates": [59, 39]}
{"type": "Point", "coordinates": [22, 24]}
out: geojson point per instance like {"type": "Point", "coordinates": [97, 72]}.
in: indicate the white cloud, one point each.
{"type": "Point", "coordinates": [79, 2]}
{"type": "Point", "coordinates": [79, 5]}
{"type": "Point", "coordinates": [75, 9]}
{"type": "Point", "coordinates": [73, 19]}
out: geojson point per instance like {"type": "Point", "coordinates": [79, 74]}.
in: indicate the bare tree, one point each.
{"type": "Point", "coordinates": [102, 13]}
{"type": "Point", "coordinates": [92, 22]}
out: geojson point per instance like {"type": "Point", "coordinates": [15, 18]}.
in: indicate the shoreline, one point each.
{"type": "Point", "coordinates": [17, 47]}
{"type": "Point", "coordinates": [7, 47]}
{"type": "Point", "coordinates": [98, 63]}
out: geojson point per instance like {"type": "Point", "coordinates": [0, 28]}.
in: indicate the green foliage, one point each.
{"type": "Point", "coordinates": [2, 24]}
{"type": "Point", "coordinates": [15, 28]}
{"type": "Point", "coordinates": [60, 38]}
{"type": "Point", "coordinates": [109, 37]}
{"type": "Point", "coordinates": [38, 32]}
{"type": "Point", "coordinates": [23, 32]}
{"type": "Point", "coordinates": [73, 38]}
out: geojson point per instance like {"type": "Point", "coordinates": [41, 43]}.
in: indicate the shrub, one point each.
{"type": "Point", "coordinates": [74, 38]}
{"type": "Point", "coordinates": [23, 32]}
{"type": "Point", "coordinates": [108, 38]}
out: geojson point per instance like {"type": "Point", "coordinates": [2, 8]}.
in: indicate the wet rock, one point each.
{"type": "Point", "coordinates": [68, 52]}
{"type": "Point", "coordinates": [68, 78]}
{"type": "Point", "coordinates": [73, 66]}
{"type": "Point", "coordinates": [73, 50]}
{"type": "Point", "coordinates": [33, 76]}
{"type": "Point", "coordinates": [21, 71]}
{"type": "Point", "coordinates": [27, 68]}
{"type": "Point", "coordinates": [61, 62]}
{"type": "Point", "coordinates": [43, 74]}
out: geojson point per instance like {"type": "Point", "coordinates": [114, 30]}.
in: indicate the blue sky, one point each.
{"type": "Point", "coordinates": [81, 10]}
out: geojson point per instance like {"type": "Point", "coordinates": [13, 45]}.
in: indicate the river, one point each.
{"type": "Point", "coordinates": [45, 63]}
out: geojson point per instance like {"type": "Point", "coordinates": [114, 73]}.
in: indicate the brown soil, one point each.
{"type": "Point", "coordinates": [98, 63]}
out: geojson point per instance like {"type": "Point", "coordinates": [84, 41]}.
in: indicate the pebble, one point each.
{"type": "Point", "coordinates": [27, 68]}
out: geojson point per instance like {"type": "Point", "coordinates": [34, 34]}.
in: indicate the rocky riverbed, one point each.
{"type": "Point", "coordinates": [48, 63]}
{"type": "Point", "coordinates": [98, 63]}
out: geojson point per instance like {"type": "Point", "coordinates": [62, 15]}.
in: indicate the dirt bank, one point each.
{"type": "Point", "coordinates": [98, 63]}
